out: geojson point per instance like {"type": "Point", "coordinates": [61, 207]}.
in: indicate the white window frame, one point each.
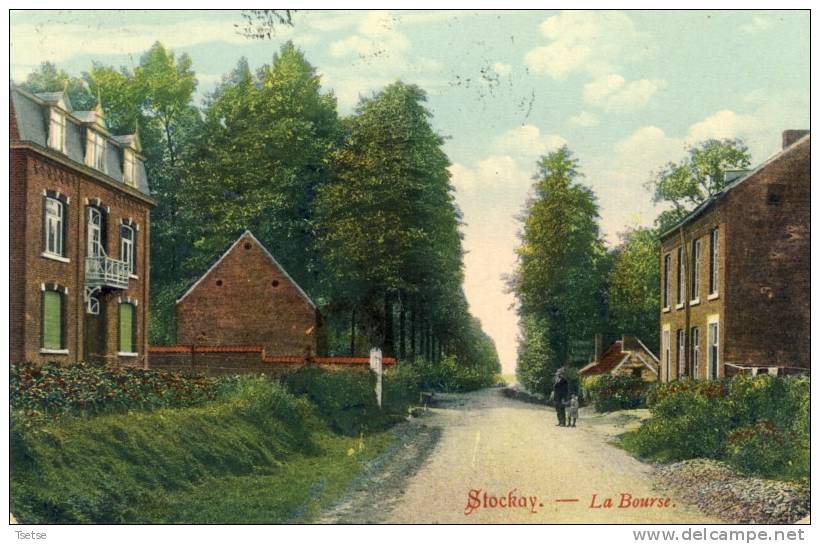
{"type": "Point", "coordinates": [667, 268]}
{"type": "Point", "coordinates": [127, 246]}
{"type": "Point", "coordinates": [129, 167]}
{"type": "Point", "coordinates": [694, 338]}
{"type": "Point", "coordinates": [95, 150]}
{"type": "Point", "coordinates": [94, 233]}
{"type": "Point", "coordinates": [713, 347]}
{"type": "Point", "coordinates": [714, 263]}
{"type": "Point", "coordinates": [681, 340]}
{"type": "Point", "coordinates": [56, 130]}
{"type": "Point", "coordinates": [54, 247]}
{"type": "Point", "coordinates": [696, 253]}
{"type": "Point", "coordinates": [666, 340]}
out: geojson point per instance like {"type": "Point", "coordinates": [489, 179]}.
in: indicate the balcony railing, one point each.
{"type": "Point", "coordinates": [104, 271]}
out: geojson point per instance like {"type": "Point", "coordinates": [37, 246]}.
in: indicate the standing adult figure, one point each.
{"type": "Point", "coordinates": [560, 394]}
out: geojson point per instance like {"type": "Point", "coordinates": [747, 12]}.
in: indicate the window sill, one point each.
{"type": "Point", "coordinates": [679, 306]}
{"type": "Point", "coordinates": [713, 296]}
{"type": "Point", "coordinates": [127, 354]}
{"type": "Point", "coordinates": [54, 257]}
{"type": "Point", "coordinates": [694, 302]}
{"type": "Point", "coordinates": [133, 277]}
{"type": "Point", "coordinates": [667, 309]}
{"type": "Point", "coordinates": [47, 351]}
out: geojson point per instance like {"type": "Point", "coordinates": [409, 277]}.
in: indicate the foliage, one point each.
{"type": "Point", "coordinates": [450, 375]}
{"type": "Point", "coordinates": [200, 464]}
{"type": "Point", "coordinates": [48, 78]}
{"type": "Point", "coordinates": [51, 390]}
{"type": "Point", "coordinates": [609, 393]}
{"type": "Point", "coordinates": [696, 178]}
{"type": "Point", "coordinates": [560, 278]}
{"type": "Point", "coordinates": [728, 420]}
{"type": "Point", "coordinates": [634, 287]}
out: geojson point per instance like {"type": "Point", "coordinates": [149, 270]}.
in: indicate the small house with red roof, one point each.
{"type": "Point", "coordinates": [626, 357]}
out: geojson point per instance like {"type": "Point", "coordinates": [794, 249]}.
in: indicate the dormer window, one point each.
{"type": "Point", "coordinates": [129, 168]}
{"type": "Point", "coordinates": [95, 150]}
{"type": "Point", "coordinates": [56, 130]}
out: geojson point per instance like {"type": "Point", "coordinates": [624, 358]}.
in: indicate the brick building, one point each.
{"type": "Point", "coordinates": [79, 224]}
{"type": "Point", "coordinates": [735, 274]}
{"type": "Point", "coordinates": [247, 299]}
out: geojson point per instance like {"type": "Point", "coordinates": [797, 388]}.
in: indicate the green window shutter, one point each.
{"type": "Point", "coordinates": [127, 328]}
{"type": "Point", "coordinates": [52, 320]}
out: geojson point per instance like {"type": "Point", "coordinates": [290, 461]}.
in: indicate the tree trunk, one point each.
{"type": "Point", "coordinates": [353, 333]}
{"type": "Point", "coordinates": [413, 334]}
{"type": "Point", "coordinates": [388, 347]}
{"type": "Point", "coordinates": [402, 318]}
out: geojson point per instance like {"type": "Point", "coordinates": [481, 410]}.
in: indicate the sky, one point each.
{"type": "Point", "coordinates": [625, 91]}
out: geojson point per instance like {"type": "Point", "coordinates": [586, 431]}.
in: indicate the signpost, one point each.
{"type": "Point", "coordinates": [377, 367]}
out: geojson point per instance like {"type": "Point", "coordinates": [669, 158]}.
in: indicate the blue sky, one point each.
{"type": "Point", "coordinates": [626, 91]}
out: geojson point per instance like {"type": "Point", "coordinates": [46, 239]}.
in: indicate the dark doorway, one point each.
{"type": "Point", "coordinates": [95, 336]}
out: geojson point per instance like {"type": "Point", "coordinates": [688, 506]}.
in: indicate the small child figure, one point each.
{"type": "Point", "coordinates": [573, 411]}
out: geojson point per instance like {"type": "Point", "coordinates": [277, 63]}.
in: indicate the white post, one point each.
{"type": "Point", "coordinates": [376, 366]}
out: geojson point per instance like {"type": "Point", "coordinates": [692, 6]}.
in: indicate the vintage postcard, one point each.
{"type": "Point", "coordinates": [304, 266]}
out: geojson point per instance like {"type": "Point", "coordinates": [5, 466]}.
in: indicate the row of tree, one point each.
{"type": "Point", "coordinates": [359, 210]}
{"type": "Point", "coordinates": [569, 287]}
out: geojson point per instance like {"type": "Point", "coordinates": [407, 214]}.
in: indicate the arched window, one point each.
{"type": "Point", "coordinates": [54, 227]}
{"type": "Point", "coordinates": [53, 320]}
{"type": "Point", "coordinates": [128, 328]}
{"type": "Point", "coordinates": [128, 246]}
{"type": "Point", "coordinates": [96, 232]}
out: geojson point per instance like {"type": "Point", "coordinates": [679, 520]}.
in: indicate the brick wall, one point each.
{"type": "Point", "coordinates": [32, 174]}
{"type": "Point", "coordinates": [247, 299]}
{"type": "Point", "coordinates": [216, 361]}
{"type": "Point", "coordinates": [768, 302]}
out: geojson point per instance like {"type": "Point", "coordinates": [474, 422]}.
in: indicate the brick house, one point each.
{"type": "Point", "coordinates": [626, 357]}
{"type": "Point", "coordinates": [79, 224]}
{"type": "Point", "coordinates": [247, 299]}
{"type": "Point", "coordinates": [735, 274]}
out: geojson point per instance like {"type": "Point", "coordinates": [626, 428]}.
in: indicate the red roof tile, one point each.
{"type": "Point", "coordinates": [611, 358]}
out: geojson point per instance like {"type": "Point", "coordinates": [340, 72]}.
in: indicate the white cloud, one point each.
{"type": "Point", "coordinates": [613, 93]}
{"type": "Point", "coordinates": [492, 172]}
{"type": "Point", "coordinates": [502, 69]}
{"type": "Point", "coordinates": [591, 42]}
{"type": "Point", "coordinates": [377, 35]}
{"type": "Point", "coordinates": [527, 142]}
{"type": "Point", "coordinates": [758, 24]}
{"type": "Point", "coordinates": [583, 120]}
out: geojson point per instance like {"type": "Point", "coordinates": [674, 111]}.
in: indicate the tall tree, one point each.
{"type": "Point", "coordinates": [634, 285]}
{"type": "Point", "coordinates": [48, 78]}
{"type": "Point", "coordinates": [560, 276]}
{"type": "Point", "coordinates": [686, 184]}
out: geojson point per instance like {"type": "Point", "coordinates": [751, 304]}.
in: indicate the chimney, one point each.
{"type": "Point", "coordinates": [599, 347]}
{"type": "Point", "coordinates": [791, 136]}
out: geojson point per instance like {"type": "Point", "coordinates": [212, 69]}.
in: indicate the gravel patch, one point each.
{"type": "Point", "coordinates": [373, 494]}
{"type": "Point", "coordinates": [718, 490]}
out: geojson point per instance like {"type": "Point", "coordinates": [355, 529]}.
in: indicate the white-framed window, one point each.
{"type": "Point", "coordinates": [56, 130]}
{"type": "Point", "coordinates": [667, 352]}
{"type": "Point", "coordinates": [54, 226]}
{"type": "Point", "coordinates": [667, 268]}
{"type": "Point", "coordinates": [694, 338]}
{"type": "Point", "coordinates": [128, 329]}
{"type": "Point", "coordinates": [713, 355]}
{"type": "Point", "coordinates": [95, 150]}
{"type": "Point", "coordinates": [681, 353]}
{"type": "Point", "coordinates": [129, 168]}
{"type": "Point", "coordinates": [52, 334]}
{"type": "Point", "coordinates": [695, 270]}
{"type": "Point", "coordinates": [681, 277]}
{"type": "Point", "coordinates": [95, 233]}
{"type": "Point", "coordinates": [713, 262]}
{"type": "Point", "coordinates": [127, 239]}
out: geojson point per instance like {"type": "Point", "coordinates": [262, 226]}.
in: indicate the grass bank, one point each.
{"type": "Point", "coordinates": [258, 455]}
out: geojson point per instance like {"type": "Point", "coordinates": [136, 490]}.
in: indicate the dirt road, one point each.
{"type": "Point", "coordinates": [504, 461]}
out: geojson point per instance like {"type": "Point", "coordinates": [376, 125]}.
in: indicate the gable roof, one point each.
{"type": "Point", "coordinates": [610, 360]}
{"type": "Point", "coordinates": [249, 234]}
{"type": "Point", "coordinates": [703, 206]}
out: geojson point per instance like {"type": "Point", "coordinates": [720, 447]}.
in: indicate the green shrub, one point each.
{"type": "Point", "coordinates": [609, 393]}
{"type": "Point", "coordinates": [450, 375]}
{"type": "Point", "coordinates": [759, 425]}
{"type": "Point", "coordinates": [51, 390]}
